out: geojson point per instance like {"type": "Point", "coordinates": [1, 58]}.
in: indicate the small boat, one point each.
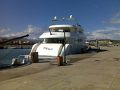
{"type": "Point", "coordinates": [61, 40]}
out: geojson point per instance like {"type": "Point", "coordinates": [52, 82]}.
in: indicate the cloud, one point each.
{"type": "Point", "coordinates": [35, 32]}
{"type": "Point", "coordinates": [32, 30]}
{"type": "Point", "coordinates": [107, 33]}
{"type": "Point", "coordinates": [4, 30]}
{"type": "Point", "coordinates": [115, 19]}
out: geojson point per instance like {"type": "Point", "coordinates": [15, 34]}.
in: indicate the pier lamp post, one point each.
{"type": "Point", "coordinates": [64, 47]}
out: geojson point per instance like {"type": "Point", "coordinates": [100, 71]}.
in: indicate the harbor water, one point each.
{"type": "Point", "coordinates": [6, 55]}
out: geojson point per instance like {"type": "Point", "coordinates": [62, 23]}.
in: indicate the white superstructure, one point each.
{"type": "Point", "coordinates": [62, 39]}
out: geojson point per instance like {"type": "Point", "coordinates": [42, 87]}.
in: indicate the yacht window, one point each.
{"type": "Point", "coordinates": [60, 29]}
{"type": "Point", "coordinates": [53, 40]}
{"type": "Point", "coordinates": [41, 40]}
{"type": "Point", "coordinates": [80, 32]}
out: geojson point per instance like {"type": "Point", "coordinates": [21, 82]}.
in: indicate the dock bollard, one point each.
{"type": "Point", "coordinates": [59, 60]}
{"type": "Point", "coordinates": [34, 57]}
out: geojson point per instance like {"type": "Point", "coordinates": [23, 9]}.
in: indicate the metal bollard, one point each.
{"type": "Point", "coordinates": [34, 57]}
{"type": "Point", "coordinates": [60, 61]}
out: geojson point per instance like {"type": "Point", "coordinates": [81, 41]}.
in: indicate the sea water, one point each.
{"type": "Point", "coordinates": [6, 55]}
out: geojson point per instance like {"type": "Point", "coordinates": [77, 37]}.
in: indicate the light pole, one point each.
{"type": "Point", "coordinates": [64, 47]}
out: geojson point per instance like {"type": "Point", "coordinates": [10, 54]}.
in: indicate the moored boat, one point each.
{"type": "Point", "coordinates": [61, 40]}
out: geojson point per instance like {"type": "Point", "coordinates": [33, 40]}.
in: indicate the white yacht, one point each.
{"type": "Point", "coordinates": [60, 40]}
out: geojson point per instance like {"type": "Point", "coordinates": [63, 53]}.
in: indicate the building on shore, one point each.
{"type": "Point", "coordinates": [105, 42]}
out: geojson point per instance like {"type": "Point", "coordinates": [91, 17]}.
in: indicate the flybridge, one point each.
{"type": "Point", "coordinates": [65, 25]}
{"type": "Point", "coordinates": [67, 21]}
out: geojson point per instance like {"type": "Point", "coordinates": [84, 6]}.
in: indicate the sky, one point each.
{"type": "Point", "coordinates": [99, 18]}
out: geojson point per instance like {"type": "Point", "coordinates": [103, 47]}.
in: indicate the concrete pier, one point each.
{"type": "Point", "coordinates": [97, 71]}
